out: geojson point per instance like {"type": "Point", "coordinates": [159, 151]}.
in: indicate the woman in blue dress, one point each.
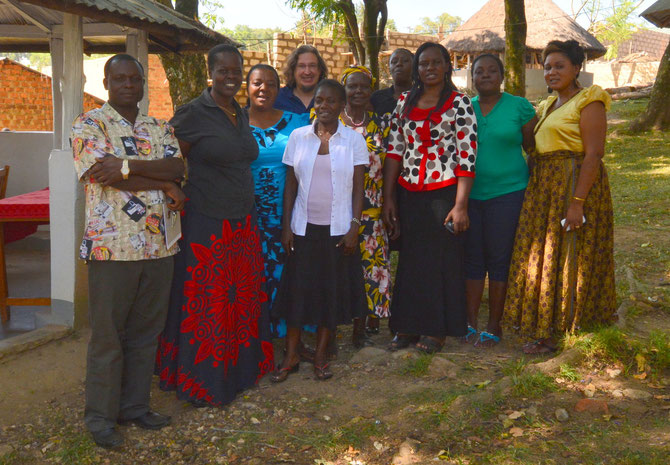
{"type": "Point", "coordinates": [271, 128]}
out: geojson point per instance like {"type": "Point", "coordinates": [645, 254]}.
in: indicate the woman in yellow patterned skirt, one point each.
{"type": "Point", "coordinates": [562, 272]}
{"type": "Point", "coordinates": [358, 83]}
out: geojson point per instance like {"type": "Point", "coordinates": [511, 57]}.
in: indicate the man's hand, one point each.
{"type": "Point", "coordinates": [107, 170]}
{"type": "Point", "coordinates": [174, 193]}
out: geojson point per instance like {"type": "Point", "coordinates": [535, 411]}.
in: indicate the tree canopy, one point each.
{"type": "Point", "coordinates": [445, 23]}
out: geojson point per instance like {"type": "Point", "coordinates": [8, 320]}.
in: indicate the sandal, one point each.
{"type": "Point", "coordinates": [487, 340]}
{"type": "Point", "coordinates": [322, 373]}
{"type": "Point", "coordinates": [280, 375]}
{"type": "Point", "coordinates": [429, 345]}
{"type": "Point", "coordinates": [401, 341]}
{"type": "Point", "coordinates": [538, 347]}
{"type": "Point", "coordinates": [472, 333]}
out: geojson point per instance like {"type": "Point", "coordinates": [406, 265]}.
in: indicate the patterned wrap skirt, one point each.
{"type": "Point", "coordinates": [561, 281]}
{"type": "Point", "coordinates": [216, 341]}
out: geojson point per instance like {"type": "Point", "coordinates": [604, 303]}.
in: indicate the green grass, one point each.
{"type": "Point", "coordinates": [417, 366]}
{"type": "Point", "coordinates": [568, 372]}
{"type": "Point", "coordinates": [532, 385]}
{"type": "Point", "coordinates": [76, 448]}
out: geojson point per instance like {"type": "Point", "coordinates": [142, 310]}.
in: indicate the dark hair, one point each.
{"type": "Point", "coordinates": [569, 48]}
{"type": "Point", "coordinates": [495, 58]}
{"type": "Point", "coordinates": [265, 67]}
{"type": "Point", "coordinates": [332, 84]}
{"type": "Point", "coordinates": [404, 50]}
{"type": "Point", "coordinates": [122, 57]}
{"type": "Point", "coordinates": [222, 48]}
{"type": "Point", "coordinates": [292, 62]}
{"type": "Point", "coordinates": [417, 87]}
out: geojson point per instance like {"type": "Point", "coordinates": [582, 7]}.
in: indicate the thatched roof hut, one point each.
{"type": "Point", "coordinates": [485, 31]}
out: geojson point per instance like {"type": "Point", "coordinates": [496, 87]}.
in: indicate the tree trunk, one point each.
{"type": "Point", "coordinates": [348, 10]}
{"type": "Point", "coordinates": [186, 72]}
{"type": "Point", "coordinates": [657, 114]}
{"type": "Point", "coordinates": [374, 19]}
{"type": "Point", "coordinates": [515, 47]}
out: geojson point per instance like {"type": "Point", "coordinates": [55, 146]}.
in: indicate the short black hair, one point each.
{"type": "Point", "coordinates": [569, 48]}
{"type": "Point", "coordinates": [495, 58]}
{"type": "Point", "coordinates": [222, 48]}
{"type": "Point", "coordinates": [263, 66]}
{"type": "Point", "coordinates": [404, 50]}
{"type": "Point", "coordinates": [122, 57]}
{"type": "Point", "coordinates": [332, 84]}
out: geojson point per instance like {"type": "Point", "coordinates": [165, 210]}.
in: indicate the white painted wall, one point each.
{"type": "Point", "coordinates": [617, 74]}
{"type": "Point", "coordinates": [27, 154]}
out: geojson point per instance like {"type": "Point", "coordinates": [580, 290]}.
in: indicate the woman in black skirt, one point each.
{"type": "Point", "coordinates": [430, 166]}
{"type": "Point", "coordinates": [322, 282]}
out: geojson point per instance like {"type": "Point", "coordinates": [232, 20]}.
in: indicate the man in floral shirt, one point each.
{"type": "Point", "coordinates": [130, 164]}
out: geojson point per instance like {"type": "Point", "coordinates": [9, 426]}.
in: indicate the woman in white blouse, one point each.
{"type": "Point", "coordinates": [322, 282]}
{"type": "Point", "coordinates": [430, 167]}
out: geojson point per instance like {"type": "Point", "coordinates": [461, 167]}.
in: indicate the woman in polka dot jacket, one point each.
{"type": "Point", "coordinates": [428, 174]}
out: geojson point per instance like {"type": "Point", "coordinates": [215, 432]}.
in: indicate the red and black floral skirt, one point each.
{"type": "Point", "coordinates": [216, 340]}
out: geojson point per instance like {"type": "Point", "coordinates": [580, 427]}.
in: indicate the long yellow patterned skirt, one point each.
{"type": "Point", "coordinates": [561, 281]}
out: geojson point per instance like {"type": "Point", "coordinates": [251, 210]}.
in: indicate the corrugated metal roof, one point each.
{"type": "Point", "coordinates": [167, 29]}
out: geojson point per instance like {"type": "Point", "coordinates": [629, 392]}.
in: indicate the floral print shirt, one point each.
{"type": "Point", "coordinates": [435, 146]}
{"type": "Point", "coordinates": [121, 225]}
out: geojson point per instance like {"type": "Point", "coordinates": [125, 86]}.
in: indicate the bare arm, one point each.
{"type": "Point", "coordinates": [459, 214]}
{"type": "Point", "coordinates": [107, 170]}
{"type": "Point", "coordinates": [527, 129]}
{"type": "Point", "coordinates": [350, 240]}
{"type": "Point", "coordinates": [593, 128]}
{"type": "Point", "coordinates": [390, 206]}
{"type": "Point", "coordinates": [290, 193]}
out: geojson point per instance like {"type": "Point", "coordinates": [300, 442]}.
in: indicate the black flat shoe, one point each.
{"type": "Point", "coordinates": [150, 420]}
{"type": "Point", "coordinates": [197, 403]}
{"type": "Point", "coordinates": [361, 340]}
{"type": "Point", "coordinates": [107, 439]}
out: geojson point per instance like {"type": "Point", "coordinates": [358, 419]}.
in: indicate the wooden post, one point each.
{"type": "Point", "coordinates": [56, 49]}
{"type": "Point", "coordinates": [69, 296]}
{"type": "Point", "coordinates": [137, 46]}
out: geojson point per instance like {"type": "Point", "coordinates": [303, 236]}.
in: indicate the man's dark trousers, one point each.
{"type": "Point", "coordinates": [128, 302]}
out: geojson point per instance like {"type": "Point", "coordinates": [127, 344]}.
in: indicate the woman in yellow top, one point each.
{"type": "Point", "coordinates": [562, 272]}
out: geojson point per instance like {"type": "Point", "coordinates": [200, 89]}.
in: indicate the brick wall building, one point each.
{"type": "Point", "coordinates": [335, 53]}
{"type": "Point", "coordinates": [25, 100]}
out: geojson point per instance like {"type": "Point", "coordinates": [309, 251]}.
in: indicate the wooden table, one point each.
{"type": "Point", "coordinates": [20, 214]}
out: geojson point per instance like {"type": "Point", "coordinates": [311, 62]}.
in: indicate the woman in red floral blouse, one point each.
{"type": "Point", "coordinates": [428, 174]}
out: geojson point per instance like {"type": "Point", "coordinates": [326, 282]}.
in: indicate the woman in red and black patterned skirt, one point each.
{"type": "Point", "coordinates": [216, 342]}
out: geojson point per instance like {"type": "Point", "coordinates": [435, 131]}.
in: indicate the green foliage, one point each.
{"type": "Point", "coordinates": [569, 373]}
{"type": "Point", "coordinates": [209, 13]}
{"type": "Point", "coordinates": [532, 385]}
{"type": "Point", "coordinates": [617, 27]}
{"type": "Point", "coordinates": [34, 60]}
{"type": "Point", "coordinates": [75, 448]}
{"type": "Point", "coordinates": [417, 366]}
{"type": "Point", "coordinates": [252, 38]}
{"type": "Point", "coordinates": [444, 23]}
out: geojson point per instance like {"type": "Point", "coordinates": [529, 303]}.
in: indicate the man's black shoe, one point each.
{"type": "Point", "coordinates": [149, 420]}
{"type": "Point", "coordinates": [109, 438]}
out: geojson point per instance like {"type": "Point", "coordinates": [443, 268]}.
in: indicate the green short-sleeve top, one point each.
{"type": "Point", "coordinates": [500, 167]}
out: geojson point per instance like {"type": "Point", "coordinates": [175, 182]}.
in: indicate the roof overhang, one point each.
{"type": "Point", "coordinates": [658, 14]}
{"type": "Point", "coordinates": [27, 26]}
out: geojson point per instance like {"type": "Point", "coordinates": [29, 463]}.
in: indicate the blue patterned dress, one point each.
{"type": "Point", "coordinates": [269, 178]}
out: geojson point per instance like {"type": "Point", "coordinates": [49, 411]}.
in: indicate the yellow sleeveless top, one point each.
{"type": "Point", "coordinates": [560, 129]}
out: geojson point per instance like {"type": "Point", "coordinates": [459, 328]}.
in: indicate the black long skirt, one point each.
{"type": "Point", "coordinates": [429, 290]}
{"type": "Point", "coordinates": [320, 285]}
{"type": "Point", "coordinates": [216, 340]}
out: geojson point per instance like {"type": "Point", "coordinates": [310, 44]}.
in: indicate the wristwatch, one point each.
{"type": "Point", "coordinates": [125, 169]}
{"type": "Point", "coordinates": [356, 220]}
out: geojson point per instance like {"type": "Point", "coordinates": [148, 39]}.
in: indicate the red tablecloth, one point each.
{"type": "Point", "coordinates": [30, 205]}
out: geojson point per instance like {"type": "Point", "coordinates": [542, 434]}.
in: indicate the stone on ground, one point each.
{"type": "Point", "coordinates": [562, 415]}
{"type": "Point", "coordinates": [592, 406]}
{"type": "Point", "coordinates": [637, 394]}
{"type": "Point", "coordinates": [371, 355]}
{"type": "Point", "coordinates": [440, 367]}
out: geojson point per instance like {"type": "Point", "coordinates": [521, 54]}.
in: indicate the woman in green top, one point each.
{"type": "Point", "coordinates": [505, 123]}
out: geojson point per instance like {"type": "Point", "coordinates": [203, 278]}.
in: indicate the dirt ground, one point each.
{"type": "Point", "coordinates": [456, 407]}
